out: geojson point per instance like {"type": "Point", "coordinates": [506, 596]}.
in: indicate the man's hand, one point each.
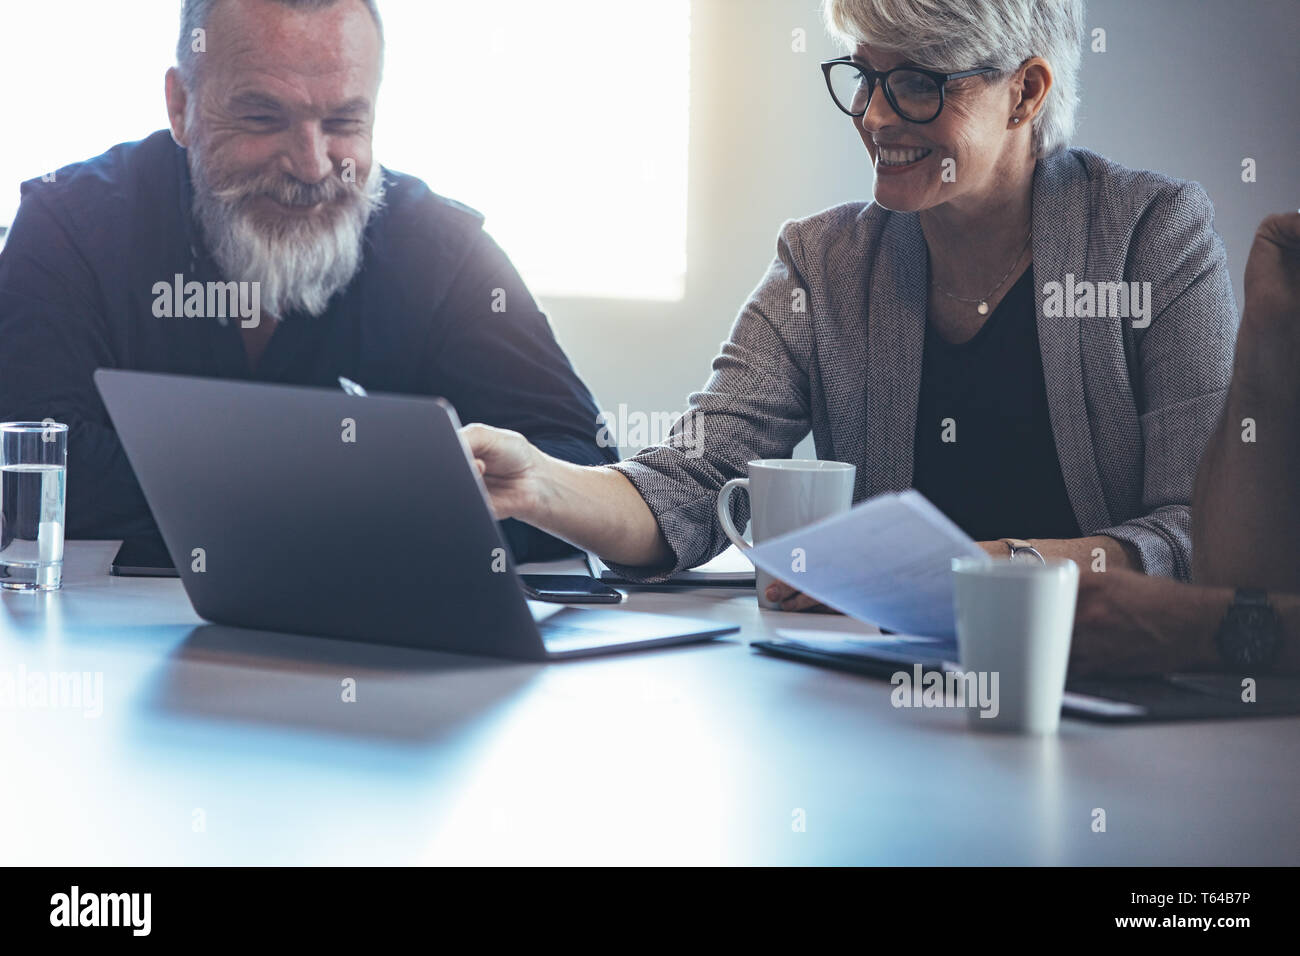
{"type": "Point", "coordinates": [1127, 624]}
{"type": "Point", "coordinates": [511, 470]}
{"type": "Point", "coordinates": [1268, 343]}
{"type": "Point", "coordinates": [1272, 280]}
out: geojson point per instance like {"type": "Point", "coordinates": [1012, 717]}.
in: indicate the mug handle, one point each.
{"type": "Point", "coordinates": [724, 512]}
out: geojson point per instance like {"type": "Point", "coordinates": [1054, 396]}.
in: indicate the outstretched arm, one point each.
{"type": "Point", "coordinates": [593, 507]}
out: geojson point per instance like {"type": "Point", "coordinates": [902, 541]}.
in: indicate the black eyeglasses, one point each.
{"type": "Point", "coordinates": [915, 94]}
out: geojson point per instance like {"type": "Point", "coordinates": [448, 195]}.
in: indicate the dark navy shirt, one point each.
{"type": "Point", "coordinates": [1001, 477]}
{"type": "Point", "coordinates": [77, 279]}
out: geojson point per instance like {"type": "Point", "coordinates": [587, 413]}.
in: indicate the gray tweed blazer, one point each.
{"type": "Point", "coordinates": [1131, 408]}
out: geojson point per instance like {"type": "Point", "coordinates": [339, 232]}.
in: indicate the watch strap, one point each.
{"type": "Point", "coordinates": [1228, 638]}
{"type": "Point", "coordinates": [1251, 597]}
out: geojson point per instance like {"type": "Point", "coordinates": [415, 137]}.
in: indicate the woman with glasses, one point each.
{"type": "Point", "coordinates": [1033, 336]}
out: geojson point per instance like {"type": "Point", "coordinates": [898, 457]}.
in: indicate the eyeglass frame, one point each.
{"type": "Point", "coordinates": [882, 77]}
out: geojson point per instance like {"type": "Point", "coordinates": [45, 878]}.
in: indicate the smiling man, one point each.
{"type": "Point", "coordinates": [258, 238]}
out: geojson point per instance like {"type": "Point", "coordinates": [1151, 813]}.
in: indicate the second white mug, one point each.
{"type": "Point", "coordinates": [1014, 623]}
{"type": "Point", "coordinates": [786, 494]}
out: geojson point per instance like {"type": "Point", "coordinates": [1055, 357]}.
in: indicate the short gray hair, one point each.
{"type": "Point", "coordinates": [196, 13]}
{"type": "Point", "coordinates": [955, 35]}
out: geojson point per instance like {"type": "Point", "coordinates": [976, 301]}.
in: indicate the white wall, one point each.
{"type": "Point", "coordinates": [767, 145]}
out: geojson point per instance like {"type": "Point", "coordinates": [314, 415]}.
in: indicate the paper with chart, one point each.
{"type": "Point", "coordinates": [888, 561]}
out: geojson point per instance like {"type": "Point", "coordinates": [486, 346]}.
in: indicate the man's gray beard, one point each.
{"type": "Point", "coordinates": [299, 266]}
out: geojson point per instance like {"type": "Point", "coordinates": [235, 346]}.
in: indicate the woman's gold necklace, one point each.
{"type": "Point", "coordinates": [982, 304]}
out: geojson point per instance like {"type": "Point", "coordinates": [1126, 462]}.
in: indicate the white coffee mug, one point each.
{"type": "Point", "coordinates": [1014, 622]}
{"type": "Point", "coordinates": [786, 494]}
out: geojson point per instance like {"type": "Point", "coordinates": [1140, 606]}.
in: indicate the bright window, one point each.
{"type": "Point", "coordinates": [76, 77]}
{"type": "Point", "coordinates": [564, 122]}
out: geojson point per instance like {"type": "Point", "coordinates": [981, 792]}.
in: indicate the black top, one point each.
{"type": "Point", "coordinates": [77, 292]}
{"type": "Point", "coordinates": [1001, 477]}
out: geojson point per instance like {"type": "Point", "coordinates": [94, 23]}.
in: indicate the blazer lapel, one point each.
{"type": "Point", "coordinates": [896, 316]}
{"type": "Point", "coordinates": [1061, 220]}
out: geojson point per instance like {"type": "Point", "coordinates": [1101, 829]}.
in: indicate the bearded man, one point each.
{"type": "Point", "coordinates": [325, 264]}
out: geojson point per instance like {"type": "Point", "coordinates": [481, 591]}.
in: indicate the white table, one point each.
{"type": "Point", "coordinates": [221, 746]}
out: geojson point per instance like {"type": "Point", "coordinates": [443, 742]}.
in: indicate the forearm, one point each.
{"type": "Point", "coordinates": [529, 543]}
{"type": "Point", "coordinates": [1097, 552]}
{"type": "Point", "coordinates": [1130, 624]}
{"type": "Point", "coordinates": [1246, 516]}
{"type": "Point", "coordinates": [1190, 625]}
{"type": "Point", "coordinates": [600, 510]}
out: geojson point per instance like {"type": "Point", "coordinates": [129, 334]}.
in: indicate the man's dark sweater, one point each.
{"type": "Point", "coordinates": [436, 309]}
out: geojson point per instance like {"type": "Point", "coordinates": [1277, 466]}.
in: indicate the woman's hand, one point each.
{"type": "Point", "coordinates": [511, 469]}
{"type": "Point", "coordinates": [792, 600]}
{"type": "Point", "coordinates": [593, 507]}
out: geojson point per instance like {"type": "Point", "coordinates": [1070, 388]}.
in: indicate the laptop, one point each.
{"type": "Point", "coordinates": [315, 512]}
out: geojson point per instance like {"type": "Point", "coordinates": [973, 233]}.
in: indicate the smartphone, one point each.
{"type": "Point", "coordinates": [143, 558]}
{"type": "Point", "coordinates": [568, 589]}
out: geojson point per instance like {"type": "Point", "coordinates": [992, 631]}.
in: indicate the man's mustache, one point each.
{"type": "Point", "coordinates": [286, 190]}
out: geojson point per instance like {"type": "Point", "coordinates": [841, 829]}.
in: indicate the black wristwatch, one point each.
{"type": "Point", "coordinates": [1250, 636]}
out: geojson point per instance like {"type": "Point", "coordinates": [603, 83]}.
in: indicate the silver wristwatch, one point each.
{"type": "Point", "coordinates": [1023, 550]}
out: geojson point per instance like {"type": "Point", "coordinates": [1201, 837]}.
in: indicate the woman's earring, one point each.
{"type": "Point", "coordinates": [1015, 119]}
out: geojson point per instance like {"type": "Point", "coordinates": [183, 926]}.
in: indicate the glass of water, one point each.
{"type": "Point", "coordinates": [33, 469]}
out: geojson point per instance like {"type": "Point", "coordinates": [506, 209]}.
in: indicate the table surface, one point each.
{"type": "Point", "coordinates": [217, 745]}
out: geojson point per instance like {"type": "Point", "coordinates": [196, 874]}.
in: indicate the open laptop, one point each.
{"type": "Point", "coordinates": [315, 512]}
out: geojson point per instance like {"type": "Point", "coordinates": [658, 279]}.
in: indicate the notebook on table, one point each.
{"type": "Point", "coordinates": [1113, 700]}
{"type": "Point", "coordinates": [730, 569]}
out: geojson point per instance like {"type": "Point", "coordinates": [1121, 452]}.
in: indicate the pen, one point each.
{"type": "Point", "coordinates": [351, 387]}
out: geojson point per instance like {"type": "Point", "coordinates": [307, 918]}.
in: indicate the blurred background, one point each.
{"type": "Point", "coordinates": [637, 159]}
